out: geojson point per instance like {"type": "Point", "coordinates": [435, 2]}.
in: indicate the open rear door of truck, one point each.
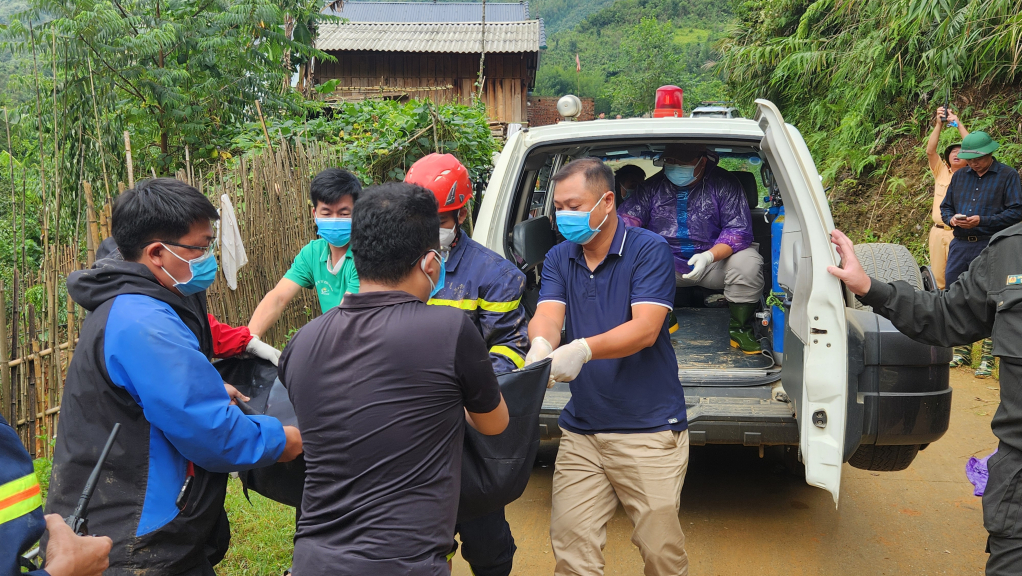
{"type": "Point", "coordinates": [815, 373]}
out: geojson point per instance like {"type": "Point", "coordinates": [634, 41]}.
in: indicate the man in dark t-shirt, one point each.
{"type": "Point", "coordinates": [381, 386]}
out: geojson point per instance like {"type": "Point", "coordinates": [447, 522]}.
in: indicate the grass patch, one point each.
{"type": "Point", "coordinates": [42, 472]}
{"type": "Point", "coordinates": [262, 535]}
{"type": "Point", "coordinates": [690, 35]}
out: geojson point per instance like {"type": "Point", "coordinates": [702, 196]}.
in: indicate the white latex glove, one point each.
{"type": "Point", "coordinates": [539, 350]}
{"type": "Point", "coordinates": [567, 361]}
{"type": "Point", "coordinates": [261, 349]}
{"type": "Point", "coordinates": [699, 262]}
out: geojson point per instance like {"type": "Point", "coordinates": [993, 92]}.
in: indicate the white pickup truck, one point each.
{"type": "Point", "coordinates": [837, 383]}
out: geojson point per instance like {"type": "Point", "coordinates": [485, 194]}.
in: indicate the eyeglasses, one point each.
{"type": "Point", "coordinates": [438, 256]}
{"type": "Point", "coordinates": [206, 250]}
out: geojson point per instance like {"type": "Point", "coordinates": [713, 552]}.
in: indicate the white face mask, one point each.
{"type": "Point", "coordinates": [447, 236]}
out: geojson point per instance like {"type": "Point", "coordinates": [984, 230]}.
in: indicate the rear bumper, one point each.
{"type": "Point", "coordinates": [898, 394]}
{"type": "Point", "coordinates": [746, 415]}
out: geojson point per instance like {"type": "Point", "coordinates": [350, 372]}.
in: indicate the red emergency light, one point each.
{"type": "Point", "coordinates": [668, 102]}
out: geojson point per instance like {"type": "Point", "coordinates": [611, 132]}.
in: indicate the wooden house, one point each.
{"type": "Point", "coordinates": [404, 50]}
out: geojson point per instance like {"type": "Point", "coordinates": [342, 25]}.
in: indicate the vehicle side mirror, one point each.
{"type": "Point", "coordinates": [531, 240]}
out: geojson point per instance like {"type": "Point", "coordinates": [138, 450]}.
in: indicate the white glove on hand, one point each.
{"type": "Point", "coordinates": [261, 349]}
{"type": "Point", "coordinates": [539, 350]}
{"type": "Point", "coordinates": [699, 262]}
{"type": "Point", "coordinates": [568, 361]}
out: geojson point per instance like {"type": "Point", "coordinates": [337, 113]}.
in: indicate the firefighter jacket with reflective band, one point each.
{"type": "Point", "coordinates": [143, 360]}
{"type": "Point", "coordinates": [489, 289]}
{"type": "Point", "coordinates": [21, 505]}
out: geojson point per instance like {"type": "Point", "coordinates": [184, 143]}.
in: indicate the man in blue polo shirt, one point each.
{"type": "Point", "coordinates": [624, 432]}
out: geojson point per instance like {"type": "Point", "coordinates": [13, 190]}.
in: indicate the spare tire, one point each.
{"type": "Point", "coordinates": [883, 458]}
{"type": "Point", "coordinates": [888, 263]}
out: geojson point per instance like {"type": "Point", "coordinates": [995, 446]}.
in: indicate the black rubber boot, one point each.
{"type": "Point", "coordinates": [740, 327]}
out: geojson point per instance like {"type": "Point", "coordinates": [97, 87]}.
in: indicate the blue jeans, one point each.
{"type": "Point", "coordinates": [960, 254]}
{"type": "Point", "coordinates": [487, 544]}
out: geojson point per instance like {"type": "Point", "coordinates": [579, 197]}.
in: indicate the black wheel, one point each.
{"type": "Point", "coordinates": [884, 458]}
{"type": "Point", "coordinates": [929, 280]}
{"type": "Point", "coordinates": [886, 262]}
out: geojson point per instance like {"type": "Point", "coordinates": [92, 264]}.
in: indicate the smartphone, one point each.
{"type": "Point", "coordinates": [960, 216]}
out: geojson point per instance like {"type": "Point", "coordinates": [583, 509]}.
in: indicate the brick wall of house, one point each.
{"type": "Point", "coordinates": [543, 110]}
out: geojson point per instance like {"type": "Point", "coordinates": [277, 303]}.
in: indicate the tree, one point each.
{"type": "Point", "coordinates": [652, 61]}
{"type": "Point", "coordinates": [301, 24]}
{"type": "Point", "coordinates": [176, 71]}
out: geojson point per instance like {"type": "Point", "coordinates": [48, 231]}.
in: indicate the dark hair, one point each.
{"type": "Point", "coordinates": [161, 208]}
{"type": "Point", "coordinates": [947, 153]}
{"type": "Point", "coordinates": [392, 226]}
{"type": "Point", "coordinates": [626, 172]}
{"type": "Point", "coordinates": [599, 177]}
{"type": "Point", "coordinates": [332, 184]}
{"type": "Point", "coordinates": [630, 171]}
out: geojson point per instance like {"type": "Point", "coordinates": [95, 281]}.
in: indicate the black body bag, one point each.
{"type": "Point", "coordinates": [257, 379]}
{"type": "Point", "coordinates": [494, 469]}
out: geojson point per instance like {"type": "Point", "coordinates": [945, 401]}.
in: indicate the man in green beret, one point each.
{"type": "Point", "coordinates": [981, 200]}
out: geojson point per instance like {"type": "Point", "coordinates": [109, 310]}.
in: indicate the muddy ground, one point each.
{"type": "Point", "coordinates": [746, 515]}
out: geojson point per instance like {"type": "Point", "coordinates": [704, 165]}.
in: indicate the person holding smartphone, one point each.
{"type": "Point", "coordinates": [981, 200]}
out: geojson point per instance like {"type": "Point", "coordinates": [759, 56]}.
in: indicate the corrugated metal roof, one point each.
{"type": "Point", "coordinates": [430, 37]}
{"type": "Point", "coordinates": [436, 12]}
{"type": "Point", "coordinates": [439, 12]}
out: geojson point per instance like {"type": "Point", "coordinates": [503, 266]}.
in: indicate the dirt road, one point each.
{"type": "Point", "coordinates": [744, 515]}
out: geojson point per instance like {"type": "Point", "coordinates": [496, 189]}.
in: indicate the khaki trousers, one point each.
{"type": "Point", "coordinates": [940, 242]}
{"type": "Point", "coordinates": [645, 473]}
{"type": "Point", "coordinates": [740, 275]}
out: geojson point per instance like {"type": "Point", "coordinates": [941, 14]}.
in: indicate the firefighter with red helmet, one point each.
{"type": "Point", "coordinates": [489, 289]}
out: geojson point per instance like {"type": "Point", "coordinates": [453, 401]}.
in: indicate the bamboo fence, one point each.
{"type": "Point", "coordinates": [270, 195]}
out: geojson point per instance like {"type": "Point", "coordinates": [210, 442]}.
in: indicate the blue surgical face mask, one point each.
{"type": "Point", "coordinates": [574, 226]}
{"type": "Point", "coordinates": [336, 231]}
{"type": "Point", "coordinates": [203, 271]}
{"type": "Point", "coordinates": [434, 288]}
{"type": "Point", "coordinates": [680, 175]}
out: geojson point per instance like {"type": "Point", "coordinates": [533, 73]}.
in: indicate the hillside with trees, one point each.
{"type": "Point", "coordinates": [630, 48]}
{"type": "Point", "coordinates": [862, 85]}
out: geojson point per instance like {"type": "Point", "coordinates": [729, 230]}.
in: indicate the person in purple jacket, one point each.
{"type": "Point", "coordinates": [702, 212]}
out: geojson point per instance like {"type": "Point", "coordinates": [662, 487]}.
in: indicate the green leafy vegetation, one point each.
{"type": "Point", "coordinates": [42, 467]}
{"type": "Point", "coordinates": [855, 79]}
{"type": "Point", "coordinates": [174, 72]}
{"type": "Point", "coordinates": [630, 48]}
{"type": "Point", "coordinates": [862, 80]}
{"type": "Point", "coordinates": [184, 79]}
{"type": "Point", "coordinates": [380, 139]}
{"type": "Point", "coordinates": [561, 15]}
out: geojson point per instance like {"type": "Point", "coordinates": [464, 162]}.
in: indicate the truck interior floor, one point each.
{"type": "Point", "coordinates": [701, 342]}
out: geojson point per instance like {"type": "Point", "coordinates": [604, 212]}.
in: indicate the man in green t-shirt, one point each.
{"type": "Point", "coordinates": [323, 264]}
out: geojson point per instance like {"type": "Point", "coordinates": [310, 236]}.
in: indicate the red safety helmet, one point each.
{"type": "Point", "coordinates": [445, 177]}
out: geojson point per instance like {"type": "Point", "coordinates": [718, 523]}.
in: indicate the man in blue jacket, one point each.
{"type": "Point", "coordinates": [143, 360]}
{"type": "Point", "coordinates": [489, 289]}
